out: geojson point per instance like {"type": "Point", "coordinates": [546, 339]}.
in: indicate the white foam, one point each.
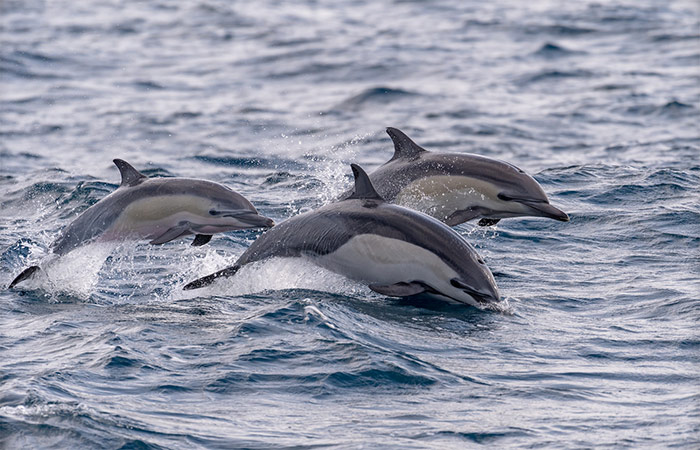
{"type": "Point", "coordinates": [75, 273]}
{"type": "Point", "coordinates": [503, 307]}
{"type": "Point", "coordinates": [276, 274]}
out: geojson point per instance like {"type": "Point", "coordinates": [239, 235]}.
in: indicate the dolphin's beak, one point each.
{"type": "Point", "coordinates": [256, 221]}
{"type": "Point", "coordinates": [491, 294]}
{"type": "Point", "coordinates": [486, 297]}
{"type": "Point", "coordinates": [251, 219]}
{"type": "Point", "coordinates": [482, 298]}
{"type": "Point", "coordinates": [547, 210]}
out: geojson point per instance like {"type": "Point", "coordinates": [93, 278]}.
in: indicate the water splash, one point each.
{"type": "Point", "coordinates": [273, 275]}
{"type": "Point", "coordinates": [74, 274]}
{"type": "Point", "coordinates": [333, 168]}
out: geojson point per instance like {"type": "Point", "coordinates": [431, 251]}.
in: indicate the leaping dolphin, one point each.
{"type": "Point", "coordinates": [395, 250]}
{"type": "Point", "coordinates": [458, 187]}
{"type": "Point", "coordinates": [157, 209]}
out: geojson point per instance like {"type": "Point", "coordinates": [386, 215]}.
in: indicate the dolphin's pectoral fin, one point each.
{"type": "Point", "coordinates": [399, 289]}
{"type": "Point", "coordinates": [209, 279]}
{"type": "Point", "coordinates": [201, 239]}
{"type": "Point", "coordinates": [488, 222]}
{"type": "Point", "coordinates": [26, 273]}
{"type": "Point", "coordinates": [461, 216]}
{"type": "Point", "coordinates": [175, 232]}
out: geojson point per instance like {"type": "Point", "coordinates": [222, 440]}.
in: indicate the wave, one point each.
{"type": "Point", "coordinates": [553, 75]}
{"type": "Point", "coordinates": [552, 50]}
{"type": "Point", "coordinates": [375, 95]}
{"type": "Point", "coordinates": [672, 109]}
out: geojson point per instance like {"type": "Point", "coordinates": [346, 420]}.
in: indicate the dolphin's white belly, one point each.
{"type": "Point", "coordinates": [375, 259]}
{"type": "Point", "coordinates": [442, 195]}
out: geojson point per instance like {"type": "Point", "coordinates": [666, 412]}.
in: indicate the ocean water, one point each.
{"type": "Point", "coordinates": [597, 347]}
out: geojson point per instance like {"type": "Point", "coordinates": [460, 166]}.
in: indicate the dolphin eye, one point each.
{"type": "Point", "coordinates": [213, 212]}
{"type": "Point", "coordinates": [480, 261]}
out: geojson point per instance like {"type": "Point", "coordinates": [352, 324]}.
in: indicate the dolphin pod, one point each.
{"type": "Point", "coordinates": [396, 251]}
{"type": "Point", "coordinates": [370, 234]}
{"type": "Point", "coordinates": [157, 209]}
{"type": "Point", "coordinates": [456, 187]}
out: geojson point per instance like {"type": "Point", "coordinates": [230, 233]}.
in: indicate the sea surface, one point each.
{"type": "Point", "coordinates": [597, 344]}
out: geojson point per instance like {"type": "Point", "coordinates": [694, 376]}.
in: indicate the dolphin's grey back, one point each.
{"type": "Point", "coordinates": [323, 231]}
{"type": "Point", "coordinates": [99, 217]}
{"type": "Point", "coordinates": [186, 186]}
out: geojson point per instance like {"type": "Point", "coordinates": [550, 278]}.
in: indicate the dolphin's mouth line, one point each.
{"type": "Point", "coordinates": [479, 298]}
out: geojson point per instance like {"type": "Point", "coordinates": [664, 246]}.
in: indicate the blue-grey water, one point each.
{"type": "Point", "coordinates": [597, 345]}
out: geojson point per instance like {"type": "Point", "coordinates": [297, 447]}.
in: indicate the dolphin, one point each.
{"type": "Point", "coordinates": [157, 209]}
{"type": "Point", "coordinates": [458, 187]}
{"type": "Point", "coordinates": [396, 251]}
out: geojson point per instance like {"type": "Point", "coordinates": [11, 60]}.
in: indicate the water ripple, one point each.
{"type": "Point", "coordinates": [596, 345]}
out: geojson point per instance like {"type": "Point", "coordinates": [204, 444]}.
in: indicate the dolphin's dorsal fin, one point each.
{"type": "Point", "coordinates": [404, 147]}
{"type": "Point", "coordinates": [363, 187]}
{"type": "Point", "coordinates": [130, 176]}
